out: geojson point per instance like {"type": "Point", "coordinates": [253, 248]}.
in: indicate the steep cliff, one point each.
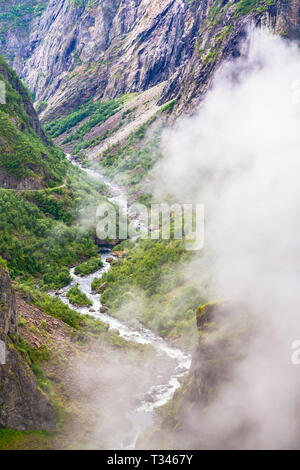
{"type": "Point", "coordinates": [189, 421]}
{"type": "Point", "coordinates": [23, 406]}
{"type": "Point", "coordinates": [222, 29]}
{"type": "Point", "coordinates": [27, 159]}
{"type": "Point", "coordinates": [84, 50]}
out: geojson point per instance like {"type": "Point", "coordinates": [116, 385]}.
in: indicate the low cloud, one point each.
{"type": "Point", "coordinates": [240, 157]}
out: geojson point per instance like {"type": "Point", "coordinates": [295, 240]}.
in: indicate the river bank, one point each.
{"type": "Point", "coordinates": [164, 386]}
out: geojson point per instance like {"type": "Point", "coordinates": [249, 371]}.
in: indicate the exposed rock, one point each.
{"type": "Point", "coordinates": [119, 254]}
{"type": "Point", "coordinates": [110, 48]}
{"type": "Point", "coordinates": [218, 38]}
{"type": "Point", "coordinates": [11, 182]}
{"type": "Point", "coordinates": [23, 406]}
{"type": "Point", "coordinates": [29, 109]}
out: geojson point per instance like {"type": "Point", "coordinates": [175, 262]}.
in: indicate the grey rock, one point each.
{"type": "Point", "coordinates": [23, 406]}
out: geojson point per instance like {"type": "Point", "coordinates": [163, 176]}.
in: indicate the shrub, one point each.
{"type": "Point", "coordinates": [90, 266]}
{"type": "Point", "coordinates": [77, 297]}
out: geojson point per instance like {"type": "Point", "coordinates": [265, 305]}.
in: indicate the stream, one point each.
{"type": "Point", "coordinates": [158, 395]}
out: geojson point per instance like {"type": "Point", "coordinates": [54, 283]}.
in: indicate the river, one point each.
{"type": "Point", "coordinates": [158, 395]}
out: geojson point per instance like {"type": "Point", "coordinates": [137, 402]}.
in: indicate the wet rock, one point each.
{"type": "Point", "coordinates": [102, 287]}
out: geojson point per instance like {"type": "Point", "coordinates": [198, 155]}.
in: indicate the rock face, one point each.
{"type": "Point", "coordinates": [224, 332]}
{"type": "Point", "coordinates": [32, 116]}
{"type": "Point", "coordinates": [23, 406]}
{"type": "Point", "coordinates": [77, 50]}
{"type": "Point", "coordinates": [105, 49]}
{"type": "Point", "coordinates": [17, 17]}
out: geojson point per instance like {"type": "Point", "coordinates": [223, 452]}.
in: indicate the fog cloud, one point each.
{"type": "Point", "coordinates": [240, 157]}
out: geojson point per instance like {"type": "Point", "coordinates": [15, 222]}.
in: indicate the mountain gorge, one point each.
{"type": "Point", "coordinates": [108, 83]}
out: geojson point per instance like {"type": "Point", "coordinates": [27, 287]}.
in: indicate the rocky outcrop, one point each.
{"type": "Point", "coordinates": [23, 406]}
{"type": "Point", "coordinates": [81, 50]}
{"type": "Point", "coordinates": [224, 330]}
{"type": "Point", "coordinates": [28, 159]}
{"type": "Point", "coordinates": [33, 118]}
{"type": "Point", "coordinates": [105, 49]}
{"type": "Point", "coordinates": [8, 314]}
{"type": "Point", "coordinates": [8, 181]}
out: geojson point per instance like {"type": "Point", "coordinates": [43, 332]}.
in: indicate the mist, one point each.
{"type": "Point", "coordinates": [239, 156]}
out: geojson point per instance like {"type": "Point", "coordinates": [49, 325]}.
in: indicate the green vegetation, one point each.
{"type": "Point", "coordinates": [214, 11]}
{"type": "Point", "coordinates": [88, 4]}
{"type": "Point", "coordinates": [152, 275]}
{"type": "Point", "coordinates": [97, 112]}
{"type": "Point", "coordinates": [96, 283]}
{"type": "Point", "coordinates": [90, 266]}
{"type": "Point", "coordinates": [41, 106]}
{"type": "Point", "coordinates": [84, 144]}
{"type": "Point", "coordinates": [34, 357]}
{"type": "Point", "coordinates": [86, 326]}
{"type": "Point", "coordinates": [77, 297]}
{"type": "Point", "coordinates": [130, 163]}
{"type": "Point", "coordinates": [34, 244]}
